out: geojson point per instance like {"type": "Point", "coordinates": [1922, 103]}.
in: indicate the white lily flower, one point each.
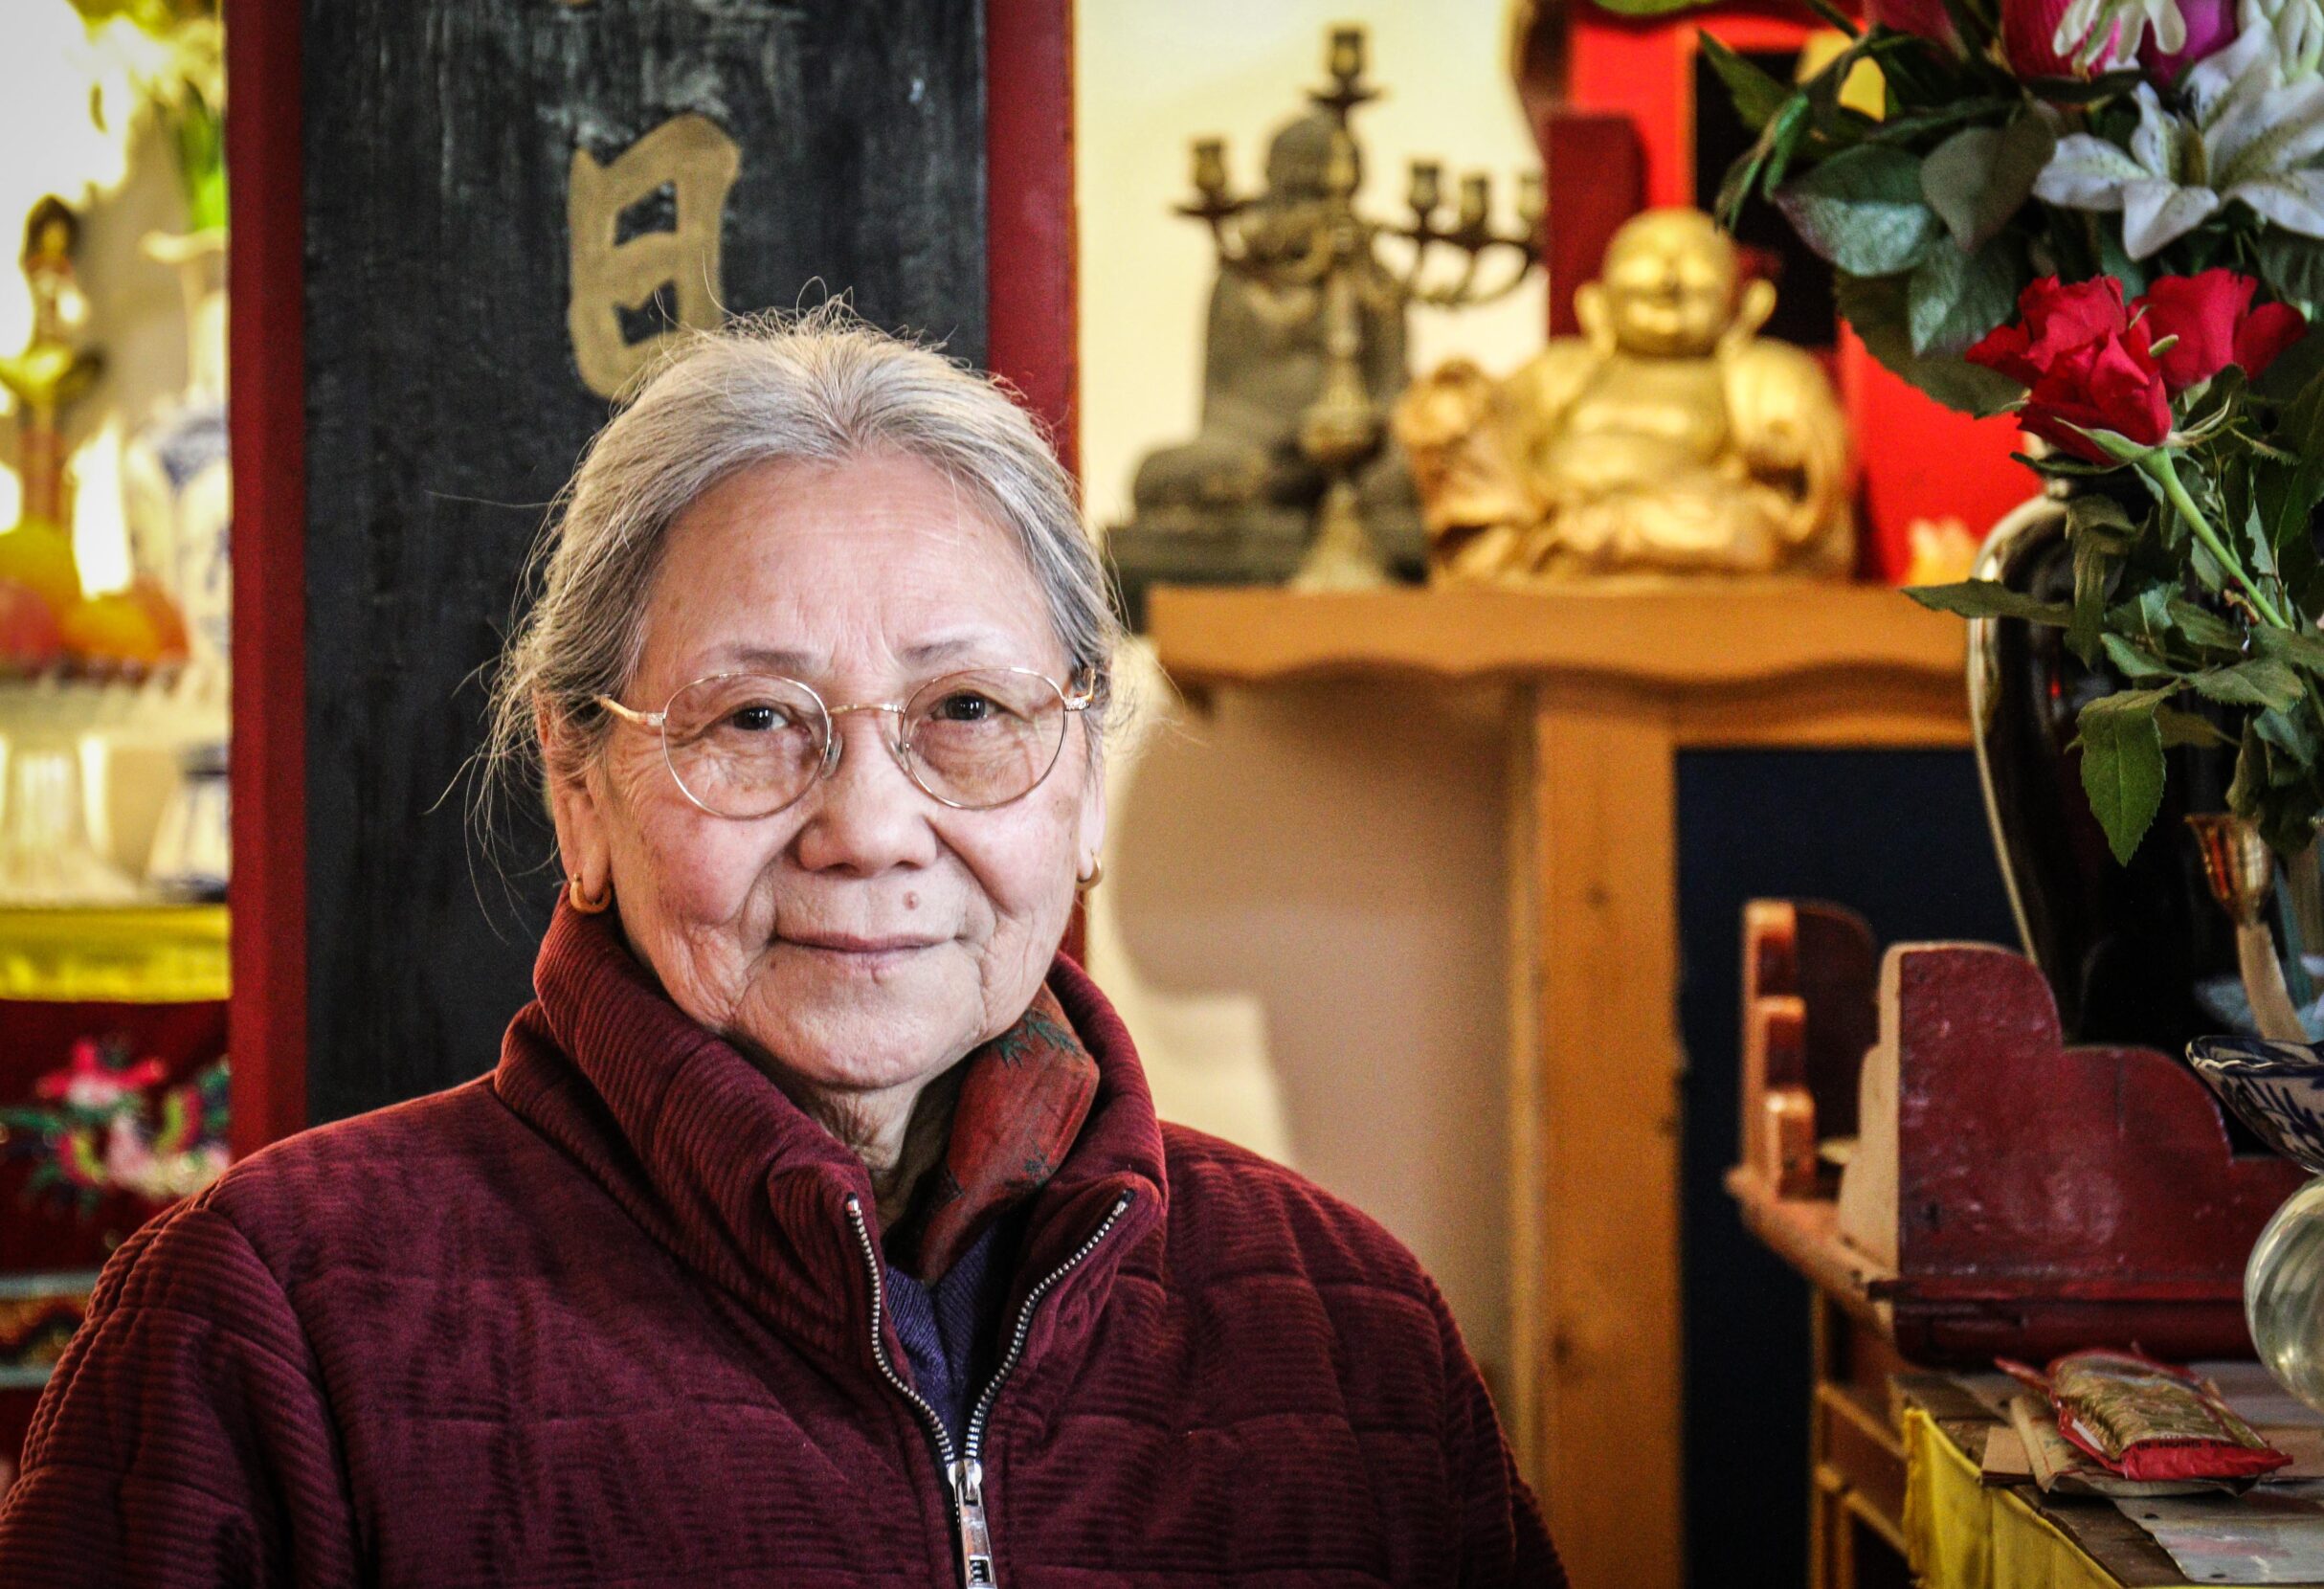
{"type": "Point", "coordinates": [2087, 26]}
{"type": "Point", "coordinates": [2250, 136]}
{"type": "Point", "coordinates": [2298, 27]}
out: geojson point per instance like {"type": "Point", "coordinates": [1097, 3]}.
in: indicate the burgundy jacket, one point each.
{"type": "Point", "coordinates": [610, 1317]}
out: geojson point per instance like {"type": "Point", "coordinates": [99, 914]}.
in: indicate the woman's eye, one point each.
{"type": "Point", "coordinates": [756, 719]}
{"type": "Point", "coordinates": [964, 708]}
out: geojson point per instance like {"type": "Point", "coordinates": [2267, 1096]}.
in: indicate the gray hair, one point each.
{"type": "Point", "coordinates": [820, 387]}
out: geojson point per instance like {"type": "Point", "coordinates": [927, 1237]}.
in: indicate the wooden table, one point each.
{"type": "Point", "coordinates": [1606, 685]}
{"type": "Point", "coordinates": [1857, 1457]}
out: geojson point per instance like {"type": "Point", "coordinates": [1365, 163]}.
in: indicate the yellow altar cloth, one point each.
{"type": "Point", "coordinates": [1966, 1534]}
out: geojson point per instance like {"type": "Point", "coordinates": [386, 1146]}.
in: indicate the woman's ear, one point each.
{"type": "Point", "coordinates": [577, 808]}
{"type": "Point", "coordinates": [1089, 841]}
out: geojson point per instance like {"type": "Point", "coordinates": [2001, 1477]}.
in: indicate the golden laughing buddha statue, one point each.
{"type": "Point", "coordinates": [1669, 439]}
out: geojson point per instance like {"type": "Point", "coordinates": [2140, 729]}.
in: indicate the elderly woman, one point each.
{"type": "Point", "coordinates": [814, 1227]}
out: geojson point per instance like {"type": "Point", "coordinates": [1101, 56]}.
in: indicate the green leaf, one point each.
{"type": "Point", "coordinates": [1784, 134]}
{"type": "Point", "coordinates": [2292, 733]}
{"type": "Point", "coordinates": [2305, 647]}
{"type": "Point", "coordinates": [2094, 513]}
{"type": "Point", "coordinates": [2201, 628]}
{"type": "Point", "coordinates": [1861, 209]}
{"type": "Point", "coordinates": [2132, 662]}
{"type": "Point", "coordinates": [1986, 598]}
{"type": "Point", "coordinates": [1756, 94]}
{"type": "Point", "coordinates": [2292, 266]}
{"type": "Point", "coordinates": [1980, 177]}
{"type": "Point", "coordinates": [2122, 766]}
{"type": "Point", "coordinates": [1876, 307]}
{"type": "Point", "coordinates": [2251, 780]}
{"type": "Point", "coordinates": [2099, 531]}
{"type": "Point", "coordinates": [2260, 682]}
{"type": "Point", "coordinates": [1954, 298]}
{"type": "Point", "coordinates": [2187, 728]}
{"type": "Point", "coordinates": [2293, 368]}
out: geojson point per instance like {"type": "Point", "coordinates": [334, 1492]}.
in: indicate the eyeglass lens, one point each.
{"type": "Point", "coordinates": [747, 744]}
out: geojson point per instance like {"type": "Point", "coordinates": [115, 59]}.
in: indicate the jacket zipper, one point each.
{"type": "Point", "coordinates": [963, 1474]}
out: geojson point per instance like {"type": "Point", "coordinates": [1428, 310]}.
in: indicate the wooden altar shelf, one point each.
{"type": "Point", "coordinates": [1605, 686]}
{"type": "Point", "coordinates": [2005, 1194]}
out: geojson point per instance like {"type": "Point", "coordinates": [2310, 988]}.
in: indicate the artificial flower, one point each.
{"type": "Point", "coordinates": [2213, 323]}
{"type": "Point", "coordinates": [2298, 28]}
{"type": "Point", "coordinates": [2087, 362]}
{"type": "Point", "coordinates": [2028, 29]}
{"type": "Point", "coordinates": [2211, 27]}
{"type": "Point", "coordinates": [2098, 34]}
{"type": "Point", "coordinates": [2253, 138]}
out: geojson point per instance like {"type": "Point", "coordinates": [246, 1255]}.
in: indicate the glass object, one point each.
{"type": "Point", "coordinates": [2284, 1294]}
{"type": "Point", "coordinates": [2277, 1088]}
{"type": "Point", "coordinates": [49, 855]}
{"type": "Point", "coordinates": [191, 849]}
{"type": "Point", "coordinates": [747, 745]}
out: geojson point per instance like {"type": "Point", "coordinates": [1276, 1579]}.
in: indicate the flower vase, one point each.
{"type": "Point", "coordinates": [2133, 954]}
{"type": "Point", "coordinates": [2277, 1089]}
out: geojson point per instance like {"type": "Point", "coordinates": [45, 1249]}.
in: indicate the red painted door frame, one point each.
{"type": "Point", "coordinates": [1030, 284]}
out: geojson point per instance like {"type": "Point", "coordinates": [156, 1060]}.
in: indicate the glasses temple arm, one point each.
{"type": "Point", "coordinates": [631, 714]}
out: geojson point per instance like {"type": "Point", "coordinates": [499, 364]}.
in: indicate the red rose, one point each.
{"type": "Point", "coordinates": [2211, 315]}
{"type": "Point", "coordinates": [2086, 362]}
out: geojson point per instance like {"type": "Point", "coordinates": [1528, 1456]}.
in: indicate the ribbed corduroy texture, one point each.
{"type": "Point", "coordinates": [603, 1319]}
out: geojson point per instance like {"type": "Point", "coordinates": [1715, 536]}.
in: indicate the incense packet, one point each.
{"type": "Point", "coordinates": [2147, 1419]}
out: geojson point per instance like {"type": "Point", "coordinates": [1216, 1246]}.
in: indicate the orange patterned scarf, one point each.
{"type": "Point", "coordinates": [1023, 1097]}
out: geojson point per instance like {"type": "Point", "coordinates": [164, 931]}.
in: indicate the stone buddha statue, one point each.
{"type": "Point", "coordinates": [1668, 438]}
{"type": "Point", "coordinates": [1238, 500]}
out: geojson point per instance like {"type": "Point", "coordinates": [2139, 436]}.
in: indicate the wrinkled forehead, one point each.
{"type": "Point", "coordinates": [839, 568]}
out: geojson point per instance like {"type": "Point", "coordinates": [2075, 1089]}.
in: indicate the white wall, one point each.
{"type": "Point", "coordinates": [1302, 917]}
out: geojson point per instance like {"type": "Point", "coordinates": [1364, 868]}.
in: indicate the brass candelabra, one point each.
{"type": "Point", "coordinates": [1332, 248]}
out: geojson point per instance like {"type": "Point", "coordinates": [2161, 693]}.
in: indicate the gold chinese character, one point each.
{"type": "Point", "coordinates": [696, 161]}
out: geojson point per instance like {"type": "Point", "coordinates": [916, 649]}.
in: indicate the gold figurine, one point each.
{"type": "Point", "coordinates": [1669, 439]}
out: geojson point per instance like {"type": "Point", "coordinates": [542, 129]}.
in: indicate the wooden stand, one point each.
{"type": "Point", "coordinates": [1605, 687]}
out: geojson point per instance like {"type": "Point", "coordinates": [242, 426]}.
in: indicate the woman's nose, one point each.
{"type": "Point", "coordinates": [866, 814]}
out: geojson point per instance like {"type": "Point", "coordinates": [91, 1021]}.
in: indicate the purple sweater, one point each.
{"type": "Point", "coordinates": [615, 1314]}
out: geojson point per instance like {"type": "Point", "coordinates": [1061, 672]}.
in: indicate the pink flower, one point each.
{"type": "Point", "coordinates": [2211, 27]}
{"type": "Point", "coordinates": [2028, 30]}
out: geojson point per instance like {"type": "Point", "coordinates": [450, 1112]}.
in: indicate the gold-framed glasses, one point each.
{"type": "Point", "coordinates": [747, 745]}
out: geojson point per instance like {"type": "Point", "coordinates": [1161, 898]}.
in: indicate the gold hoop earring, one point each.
{"type": "Point", "coordinates": [1092, 877]}
{"type": "Point", "coordinates": [587, 905]}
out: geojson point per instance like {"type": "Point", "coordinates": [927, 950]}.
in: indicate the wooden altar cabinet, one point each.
{"type": "Point", "coordinates": [1605, 687]}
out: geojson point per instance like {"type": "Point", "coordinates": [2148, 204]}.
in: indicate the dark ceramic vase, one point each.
{"type": "Point", "coordinates": [2124, 947]}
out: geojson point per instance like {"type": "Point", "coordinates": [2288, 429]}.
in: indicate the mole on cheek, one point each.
{"type": "Point", "coordinates": [911, 902]}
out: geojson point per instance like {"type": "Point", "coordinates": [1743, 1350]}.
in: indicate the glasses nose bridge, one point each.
{"type": "Point", "coordinates": [835, 743]}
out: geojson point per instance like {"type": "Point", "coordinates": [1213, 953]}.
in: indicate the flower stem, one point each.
{"type": "Point", "coordinates": [2157, 463]}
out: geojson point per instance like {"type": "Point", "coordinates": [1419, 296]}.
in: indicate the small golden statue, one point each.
{"type": "Point", "coordinates": [1669, 439]}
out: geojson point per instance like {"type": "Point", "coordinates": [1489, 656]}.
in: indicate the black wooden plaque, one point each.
{"type": "Point", "coordinates": [445, 406]}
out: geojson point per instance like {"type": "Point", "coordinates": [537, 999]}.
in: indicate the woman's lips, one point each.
{"type": "Point", "coordinates": [851, 947]}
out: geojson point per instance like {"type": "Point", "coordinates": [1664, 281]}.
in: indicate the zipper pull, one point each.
{"type": "Point", "coordinates": [975, 1541]}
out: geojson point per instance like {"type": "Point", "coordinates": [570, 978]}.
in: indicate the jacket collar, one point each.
{"type": "Point", "coordinates": [718, 1166]}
